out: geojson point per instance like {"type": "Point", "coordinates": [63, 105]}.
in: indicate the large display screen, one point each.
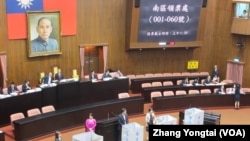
{"type": "Point", "coordinates": [168, 20]}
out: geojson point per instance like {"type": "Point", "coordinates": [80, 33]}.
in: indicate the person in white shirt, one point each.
{"type": "Point", "coordinates": [118, 74]}
{"type": "Point", "coordinates": [48, 79]}
{"type": "Point", "coordinates": [150, 118]}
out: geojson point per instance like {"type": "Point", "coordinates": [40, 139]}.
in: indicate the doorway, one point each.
{"type": "Point", "coordinates": [93, 56]}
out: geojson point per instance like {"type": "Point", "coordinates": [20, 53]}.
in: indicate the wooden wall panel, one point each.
{"type": "Point", "coordinates": [104, 21]}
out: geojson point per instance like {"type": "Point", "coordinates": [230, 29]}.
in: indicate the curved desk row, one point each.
{"type": "Point", "coordinates": [198, 100]}
{"type": "Point", "coordinates": [136, 82]}
{"type": "Point", "coordinates": [43, 124]}
{"type": "Point", "coordinates": [146, 92]}
{"type": "Point", "coordinates": [64, 95]}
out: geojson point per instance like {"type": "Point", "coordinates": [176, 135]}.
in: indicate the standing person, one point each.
{"type": "Point", "coordinates": [237, 97]}
{"type": "Point", "coordinates": [150, 119]}
{"type": "Point", "coordinates": [58, 136]}
{"type": "Point", "coordinates": [215, 72]}
{"type": "Point", "coordinates": [59, 76]}
{"type": "Point", "coordinates": [26, 86]}
{"type": "Point", "coordinates": [122, 120]}
{"type": "Point", "coordinates": [43, 42]}
{"type": "Point", "coordinates": [48, 79]}
{"type": "Point", "coordinates": [90, 123]}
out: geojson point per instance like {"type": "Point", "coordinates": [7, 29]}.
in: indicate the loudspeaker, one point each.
{"type": "Point", "coordinates": [137, 3]}
{"type": "Point", "coordinates": [204, 3]}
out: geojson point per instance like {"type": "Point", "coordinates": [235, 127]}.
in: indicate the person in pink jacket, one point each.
{"type": "Point", "coordinates": [90, 123]}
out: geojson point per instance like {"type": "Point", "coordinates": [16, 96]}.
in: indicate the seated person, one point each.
{"type": "Point", "coordinates": [232, 90]}
{"type": "Point", "coordinates": [106, 74]}
{"type": "Point", "coordinates": [244, 14]}
{"type": "Point", "coordinates": [48, 79]}
{"type": "Point", "coordinates": [208, 80]}
{"type": "Point", "coordinates": [216, 79]}
{"type": "Point", "coordinates": [1, 91]}
{"type": "Point", "coordinates": [185, 81]}
{"type": "Point", "coordinates": [118, 74]}
{"type": "Point", "coordinates": [221, 90]}
{"type": "Point", "coordinates": [12, 88]}
{"type": "Point", "coordinates": [26, 86]}
{"type": "Point", "coordinates": [59, 76]}
{"type": "Point", "coordinates": [196, 81]}
{"type": "Point", "coordinates": [92, 75]}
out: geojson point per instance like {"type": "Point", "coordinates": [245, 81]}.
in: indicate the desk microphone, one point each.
{"type": "Point", "coordinates": [115, 115]}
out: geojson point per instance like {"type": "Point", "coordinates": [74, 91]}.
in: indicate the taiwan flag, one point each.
{"type": "Point", "coordinates": [17, 20]}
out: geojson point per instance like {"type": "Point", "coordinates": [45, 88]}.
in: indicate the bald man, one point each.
{"type": "Point", "coordinates": [43, 43]}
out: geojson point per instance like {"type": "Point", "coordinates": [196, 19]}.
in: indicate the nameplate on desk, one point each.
{"type": "Point", "coordinates": [13, 94]}
{"type": "Point", "coordinates": [4, 96]}
{"type": "Point", "coordinates": [94, 80]}
{"type": "Point", "coordinates": [187, 85]}
{"type": "Point", "coordinates": [107, 79]}
{"type": "Point", "coordinates": [162, 43]}
{"type": "Point", "coordinates": [122, 77]}
{"type": "Point", "coordinates": [48, 85]}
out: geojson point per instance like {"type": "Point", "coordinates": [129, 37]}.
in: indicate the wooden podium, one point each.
{"type": "Point", "coordinates": [2, 136]}
{"type": "Point", "coordinates": [235, 71]}
{"type": "Point", "coordinates": [108, 129]}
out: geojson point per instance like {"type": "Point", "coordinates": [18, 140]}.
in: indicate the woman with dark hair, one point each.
{"type": "Point", "coordinates": [150, 118]}
{"type": "Point", "coordinates": [90, 123]}
{"type": "Point", "coordinates": [237, 97]}
{"type": "Point", "coordinates": [58, 136]}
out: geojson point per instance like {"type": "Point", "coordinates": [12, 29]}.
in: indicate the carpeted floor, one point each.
{"type": "Point", "coordinates": [228, 116]}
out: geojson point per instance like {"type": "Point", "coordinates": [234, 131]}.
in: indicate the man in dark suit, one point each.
{"type": "Point", "coordinates": [59, 76]}
{"type": "Point", "coordinates": [92, 75]}
{"type": "Point", "coordinates": [48, 79]}
{"type": "Point", "coordinates": [215, 72]}
{"type": "Point", "coordinates": [106, 74]}
{"type": "Point", "coordinates": [26, 86]}
{"type": "Point", "coordinates": [12, 88]}
{"type": "Point", "coordinates": [208, 80]}
{"type": "Point", "coordinates": [185, 81]}
{"type": "Point", "coordinates": [122, 120]}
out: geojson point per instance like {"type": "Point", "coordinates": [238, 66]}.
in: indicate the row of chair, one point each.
{"type": "Point", "coordinates": [31, 112]}
{"type": "Point", "coordinates": [183, 92]}
{"type": "Point", "coordinates": [19, 87]}
{"type": "Point", "coordinates": [147, 75]}
{"type": "Point", "coordinates": [170, 83]}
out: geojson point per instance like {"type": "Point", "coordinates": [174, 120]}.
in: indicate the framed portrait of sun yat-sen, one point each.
{"type": "Point", "coordinates": [43, 33]}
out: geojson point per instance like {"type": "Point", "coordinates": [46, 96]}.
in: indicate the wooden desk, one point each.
{"type": "Point", "coordinates": [101, 91]}
{"type": "Point", "coordinates": [199, 101]}
{"type": "Point", "coordinates": [64, 95]}
{"type": "Point", "coordinates": [32, 127]}
{"type": "Point", "coordinates": [146, 92]}
{"type": "Point", "coordinates": [19, 103]}
{"type": "Point", "coordinates": [135, 86]}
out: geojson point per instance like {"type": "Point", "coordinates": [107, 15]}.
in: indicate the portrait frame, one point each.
{"type": "Point", "coordinates": [44, 40]}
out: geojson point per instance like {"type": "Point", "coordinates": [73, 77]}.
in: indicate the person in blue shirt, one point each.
{"type": "Point", "coordinates": [43, 43]}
